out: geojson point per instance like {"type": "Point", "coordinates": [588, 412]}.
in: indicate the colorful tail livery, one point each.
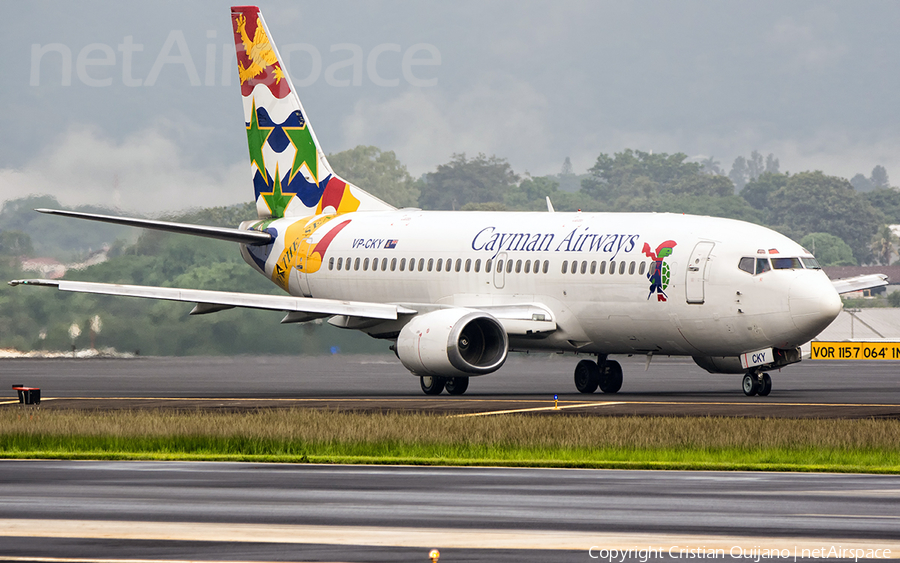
{"type": "Point", "coordinates": [291, 176]}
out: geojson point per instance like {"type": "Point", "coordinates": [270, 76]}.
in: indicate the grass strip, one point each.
{"type": "Point", "coordinates": [298, 435]}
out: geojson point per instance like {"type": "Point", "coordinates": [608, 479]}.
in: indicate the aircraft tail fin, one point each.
{"type": "Point", "coordinates": [291, 176]}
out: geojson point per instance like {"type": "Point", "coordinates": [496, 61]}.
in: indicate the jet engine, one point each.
{"type": "Point", "coordinates": [452, 343]}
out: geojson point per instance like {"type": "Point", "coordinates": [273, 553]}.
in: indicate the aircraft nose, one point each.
{"type": "Point", "coordinates": [814, 303]}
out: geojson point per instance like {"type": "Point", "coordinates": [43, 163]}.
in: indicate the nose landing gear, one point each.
{"type": "Point", "coordinates": [756, 384]}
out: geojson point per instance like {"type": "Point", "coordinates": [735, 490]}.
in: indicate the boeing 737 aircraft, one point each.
{"type": "Point", "coordinates": [455, 292]}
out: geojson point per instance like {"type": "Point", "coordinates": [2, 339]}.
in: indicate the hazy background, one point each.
{"type": "Point", "coordinates": [815, 83]}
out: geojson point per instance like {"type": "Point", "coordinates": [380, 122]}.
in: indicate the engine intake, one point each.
{"type": "Point", "coordinates": [453, 343]}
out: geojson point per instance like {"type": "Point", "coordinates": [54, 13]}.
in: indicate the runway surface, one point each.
{"type": "Point", "coordinates": [671, 386]}
{"type": "Point", "coordinates": [247, 512]}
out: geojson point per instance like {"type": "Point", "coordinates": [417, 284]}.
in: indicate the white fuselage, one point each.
{"type": "Point", "coordinates": [593, 276]}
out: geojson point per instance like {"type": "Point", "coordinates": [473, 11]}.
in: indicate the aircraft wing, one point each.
{"type": "Point", "coordinates": [221, 233]}
{"type": "Point", "coordinates": [858, 283]}
{"type": "Point", "coordinates": [209, 301]}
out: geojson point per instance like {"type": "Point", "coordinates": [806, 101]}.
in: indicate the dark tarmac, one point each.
{"type": "Point", "coordinates": [526, 383]}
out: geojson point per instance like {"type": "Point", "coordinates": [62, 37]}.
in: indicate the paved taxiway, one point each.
{"type": "Point", "coordinates": [236, 511]}
{"type": "Point", "coordinates": [75, 511]}
{"type": "Point", "coordinates": [672, 386]}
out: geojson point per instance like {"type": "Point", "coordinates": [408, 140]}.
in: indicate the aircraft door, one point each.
{"type": "Point", "coordinates": [698, 272]}
{"type": "Point", "coordinates": [500, 271]}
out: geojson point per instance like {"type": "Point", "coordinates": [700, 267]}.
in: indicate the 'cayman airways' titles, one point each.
{"type": "Point", "coordinates": [489, 239]}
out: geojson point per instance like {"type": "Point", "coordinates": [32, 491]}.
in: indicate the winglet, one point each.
{"type": "Point", "coordinates": [549, 205]}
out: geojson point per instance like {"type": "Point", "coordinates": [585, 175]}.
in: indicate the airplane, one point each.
{"type": "Point", "coordinates": [455, 292]}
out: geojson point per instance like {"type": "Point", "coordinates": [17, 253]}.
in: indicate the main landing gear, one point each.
{"type": "Point", "coordinates": [433, 384]}
{"type": "Point", "coordinates": [756, 384]}
{"type": "Point", "coordinates": [607, 375]}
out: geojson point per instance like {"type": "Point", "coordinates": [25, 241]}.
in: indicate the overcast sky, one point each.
{"type": "Point", "coordinates": [815, 83]}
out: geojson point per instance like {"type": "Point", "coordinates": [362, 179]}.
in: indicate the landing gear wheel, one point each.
{"type": "Point", "coordinates": [750, 384]}
{"type": "Point", "coordinates": [432, 384]}
{"type": "Point", "coordinates": [587, 376]}
{"type": "Point", "coordinates": [611, 381]}
{"type": "Point", "coordinates": [766, 386]}
{"type": "Point", "coordinates": [457, 385]}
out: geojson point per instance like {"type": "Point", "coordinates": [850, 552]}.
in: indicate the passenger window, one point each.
{"type": "Point", "coordinates": [528, 266]}
{"type": "Point", "coordinates": [487, 266]}
{"type": "Point", "coordinates": [459, 264]}
{"type": "Point", "coordinates": [631, 269]}
{"type": "Point", "coordinates": [478, 266]}
{"type": "Point", "coordinates": [546, 266]}
{"type": "Point", "coordinates": [422, 264]}
{"type": "Point", "coordinates": [356, 264]}
{"type": "Point", "coordinates": [746, 264]}
{"type": "Point", "coordinates": [384, 264]}
{"type": "Point", "coordinates": [787, 264]}
{"type": "Point", "coordinates": [762, 265]}
{"type": "Point", "coordinates": [584, 267]}
{"type": "Point", "coordinates": [621, 268]}
{"type": "Point", "coordinates": [440, 264]}
{"type": "Point", "coordinates": [594, 267]}
{"type": "Point", "coordinates": [499, 266]}
{"type": "Point", "coordinates": [331, 263]}
{"type": "Point", "coordinates": [603, 267]}
{"type": "Point", "coordinates": [340, 263]}
{"type": "Point", "coordinates": [468, 264]}
{"type": "Point", "coordinates": [612, 266]}
{"type": "Point", "coordinates": [642, 268]}
{"type": "Point", "coordinates": [449, 265]}
{"type": "Point", "coordinates": [509, 265]}
{"type": "Point", "coordinates": [565, 266]}
{"type": "Point", "coordinates": [365, 264]}
{"type": "Point", "coordinates": [811, 263]}
{"type": "Point", "coordinates": [393, 264]}
{"type": "Point", "coordinates": [518, 266]}
{"type": "Point", "coordinates": [402, 264]}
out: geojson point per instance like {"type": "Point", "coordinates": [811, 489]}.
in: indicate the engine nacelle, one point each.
{"type": "Point", "coordinates": [720, 364]}
{"type": "Point", "coordinates": [452, 343]}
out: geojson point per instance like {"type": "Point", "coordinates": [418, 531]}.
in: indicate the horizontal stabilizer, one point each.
{"type": "Point", "coordinates": [221, 233]}
{"type": "Point", "coordinates": [858, 283]}
{"type": "Point", "coordinates": [211, 300]}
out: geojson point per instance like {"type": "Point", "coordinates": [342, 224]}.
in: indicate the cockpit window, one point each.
{"type": "Point", "coordinates": [746, 264]}
{"type": "Point", "coordinates": [811, 263]}
{"type": "Point", "coordinates": [787, 264]}
{"type": "Point", "coordinates": [762, 265]}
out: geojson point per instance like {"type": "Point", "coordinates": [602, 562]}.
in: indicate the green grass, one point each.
{"type": "Point", "coordinates": [298, 435]}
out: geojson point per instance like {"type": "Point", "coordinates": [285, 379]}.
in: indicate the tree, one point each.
{"type": "Point", "coordinates": [531, 193]}
{"type": "Point", "coordinates": [613, 177]}
{"type": "Point", "coordinates": [377, 172]}
{"type": "Point", "coordinates": [887, 201]}
{"type": "Point", "coordinates": [461, 181]}
{"type": "Point", "coordinates": [879, 177]}
{"type": "Point", "coordinates": [739, 173]}
{"type": "Point", "coordinates": [861, 183]}
{"type": "Point", "coordinates": [711, 166]}
{"type": "Point", "coordinates": [813, 202]}
{"type": "Point", "coordinates": [883, 245]}
{"type": "Point", "coordinates": [758, 192]}
{"type": "Point", "coordinates": [15, 243]}
{"type": "Point", "coordinates": [828, 249]}
{"type": "Point", "coordinates": [772, 164]}
{"type": "Point", "coordinates": [566, 168]}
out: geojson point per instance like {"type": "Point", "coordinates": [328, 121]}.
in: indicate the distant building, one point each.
{"type": "Point", "coordinates": [841, 272]}
{"type": "Point", "coordinates": [48, 268]}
